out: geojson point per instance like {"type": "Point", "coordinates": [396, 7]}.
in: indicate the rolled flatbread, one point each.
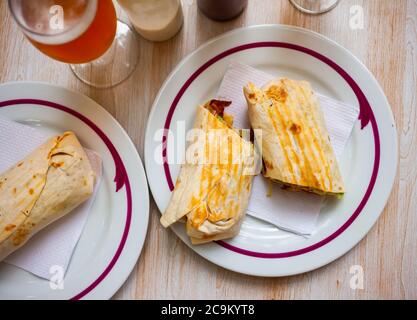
{"type": "Point", "coordinates": [296, 148]}
{"type": "Point", "coordinates": [212, 191]}
{"type": "Point", "coordinates": [46, 185]}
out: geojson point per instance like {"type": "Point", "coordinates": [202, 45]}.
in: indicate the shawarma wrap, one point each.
{"type": "Point", "coordinates": [296, 148]}
{"type": "Point", "coordinates": [46, 185]}
{"type": "Point", "coordinates": [213, 188]}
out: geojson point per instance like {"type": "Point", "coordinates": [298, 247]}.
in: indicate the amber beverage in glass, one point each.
{"type": "Point", "coordinates": [83, 33]}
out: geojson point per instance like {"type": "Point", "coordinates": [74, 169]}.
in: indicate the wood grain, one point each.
{"type": "Point", "coordinates": [167, 268]}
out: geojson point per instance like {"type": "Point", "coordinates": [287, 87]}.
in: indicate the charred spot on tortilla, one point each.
{"type": "Point", "coordinates": [57, 164]}
{"type": "Point", "coordinates": [295, 128]}
{"type": "Point", "coordinates": [277, 93]}
{"type": "Point", "coordinates": [21, 235]}
{"type": "Point", "coordinates": [9, 227]}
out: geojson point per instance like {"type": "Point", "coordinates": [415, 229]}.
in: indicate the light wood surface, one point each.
{"type": "Point", "coordinates": [167, 268]}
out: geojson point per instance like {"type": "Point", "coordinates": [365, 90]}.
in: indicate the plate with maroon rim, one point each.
{"type": "Point", "coordinates": [368, 163]}
{"type": "Point", "coordinates": [115, 230]}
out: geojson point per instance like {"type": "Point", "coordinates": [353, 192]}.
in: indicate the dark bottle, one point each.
{"type": "Point", "coordinates": [222, 9]}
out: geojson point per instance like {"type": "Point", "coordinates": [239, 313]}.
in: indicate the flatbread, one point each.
{"type": "Point", "coordinates": [296, 148]}
{"type": "Point", "coordinates": [46, 185]}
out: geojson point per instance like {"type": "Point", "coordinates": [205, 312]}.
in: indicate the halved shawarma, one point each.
{"type": "Point", "coordinates": [213, 188]}
{"type": "Point", "coordinates": [296, 148]}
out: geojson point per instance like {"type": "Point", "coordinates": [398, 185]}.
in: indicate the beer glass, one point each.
{"type": "Point", "coordinates": [86, 34]}
{"type": "Point", "coordinates": [314, 6]}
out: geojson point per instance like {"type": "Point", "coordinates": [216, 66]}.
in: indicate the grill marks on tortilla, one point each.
{"type": "Point", "coordinates": [280, 130]}
{"type": "Point", "coordinates": [208, 181]}
{"type": "Point", "coordinates": [212, 196]}
{"type": "Point", "coordinates": [279, 111]}
{"type": "Point", "coordinates": [212, 192]}
{"type": "Point", "coordinates": [293, 115]}
{"type": "Point", "coordinates": [306, 166]}
{"type": "Point", "coordinates": [319, 137]}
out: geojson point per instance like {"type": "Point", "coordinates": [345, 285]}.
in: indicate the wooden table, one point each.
{"type": "Point", "coordinates": [167, 268]}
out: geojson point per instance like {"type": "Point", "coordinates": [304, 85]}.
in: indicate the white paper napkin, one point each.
{"type": "Point", "coordinates": [53, 246]}
{"type": "Point", "coordinates": [296, 212]}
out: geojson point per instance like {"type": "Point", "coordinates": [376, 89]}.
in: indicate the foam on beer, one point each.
{"type": "Point", "coordinates": [40, 31]}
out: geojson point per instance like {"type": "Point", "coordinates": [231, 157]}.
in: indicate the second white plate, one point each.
{"type": "Point", "coordinates": [368, 164]}
{"type": "Point", "coordinates": [115, 230]}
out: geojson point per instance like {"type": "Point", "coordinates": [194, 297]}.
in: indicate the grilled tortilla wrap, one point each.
{"type": "Point", "coordinates": [296, 148]}
{"type": "Point", "coordinates": [213, 195]}
{"type": "Point", "coordinates": [55, 178]}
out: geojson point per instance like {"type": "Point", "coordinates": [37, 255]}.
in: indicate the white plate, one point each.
{"type": "Point", "coordinates": [116, 227]}
{"type": "Point", "coordinates": [368, 165]}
